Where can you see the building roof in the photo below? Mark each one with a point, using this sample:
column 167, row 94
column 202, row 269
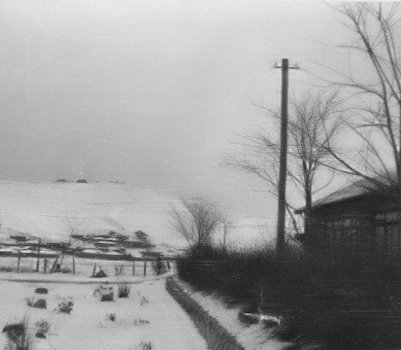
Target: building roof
column 354, row 190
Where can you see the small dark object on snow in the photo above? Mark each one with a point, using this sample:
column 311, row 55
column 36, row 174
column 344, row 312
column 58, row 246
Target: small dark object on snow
column 112, row 317
column 104, row 293
column 82, row 181
column 42, row 328
column 107, row 297
column 65, row 306
column 14, row 330
column 100, row 274
column 41, row 290
column 40, row 304
column 40, row 335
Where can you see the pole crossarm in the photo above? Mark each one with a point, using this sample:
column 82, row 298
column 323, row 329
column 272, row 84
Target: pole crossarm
column 294, row 66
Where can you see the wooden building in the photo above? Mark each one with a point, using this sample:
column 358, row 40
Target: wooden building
column 360, row 216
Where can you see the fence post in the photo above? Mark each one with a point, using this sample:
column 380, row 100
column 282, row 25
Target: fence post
column 73, row 263
column 144, row 268
column 133, row 267
column 38, row 259
column 94, row 270
column 45, row 265
column 54, row 265
column 19, row 261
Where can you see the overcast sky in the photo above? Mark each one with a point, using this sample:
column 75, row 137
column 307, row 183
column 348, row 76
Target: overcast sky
column 150, row 92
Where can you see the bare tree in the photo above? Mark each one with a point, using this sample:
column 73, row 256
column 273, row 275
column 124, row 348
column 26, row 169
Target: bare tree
column 375, row 98
column 197, row 220
column 312, row 128
column 75, row 227
column 226, row 224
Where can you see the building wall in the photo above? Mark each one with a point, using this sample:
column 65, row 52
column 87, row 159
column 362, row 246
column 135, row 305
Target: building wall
column 367, row 223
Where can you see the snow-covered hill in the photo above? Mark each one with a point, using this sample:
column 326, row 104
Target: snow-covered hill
column 55, row 210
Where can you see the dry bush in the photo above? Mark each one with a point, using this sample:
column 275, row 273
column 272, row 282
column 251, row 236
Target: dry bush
column 18, row 336
column 39, row 303
column 104, row 293
column 124, row 290
column 42, row 328
column 144, row 301
column 142, row 346
column 111, row 316
column 65, row 306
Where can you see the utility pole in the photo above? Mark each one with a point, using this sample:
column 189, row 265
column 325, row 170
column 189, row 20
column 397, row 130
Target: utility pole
column 283, row 153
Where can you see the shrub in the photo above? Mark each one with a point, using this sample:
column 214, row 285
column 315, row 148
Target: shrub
column 100, row 274
column 132, row 321
column 159, row 266
column 321, row 297
column 144, row 301
column 18, row 335
column 123, row 290
column 104, row 293
column 142, row 346
column 65, row 306
column 111, row 317
column 42, row 328
column 6, row 269
column 39, row 303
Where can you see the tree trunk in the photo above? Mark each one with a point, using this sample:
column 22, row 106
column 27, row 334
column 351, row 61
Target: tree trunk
column 308, row 224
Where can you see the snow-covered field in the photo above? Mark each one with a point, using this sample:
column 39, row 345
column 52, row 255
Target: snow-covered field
column 53, row 210
column 160, row 322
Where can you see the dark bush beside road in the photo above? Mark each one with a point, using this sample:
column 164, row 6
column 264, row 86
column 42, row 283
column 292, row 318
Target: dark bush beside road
column 341, row 300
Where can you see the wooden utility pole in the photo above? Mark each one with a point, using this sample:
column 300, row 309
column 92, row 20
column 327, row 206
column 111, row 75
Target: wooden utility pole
column 283, row 154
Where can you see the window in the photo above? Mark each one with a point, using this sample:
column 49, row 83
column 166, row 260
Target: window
column 343, row 230
column 386, row 232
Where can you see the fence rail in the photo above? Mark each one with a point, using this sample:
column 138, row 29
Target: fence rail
column 89, row 266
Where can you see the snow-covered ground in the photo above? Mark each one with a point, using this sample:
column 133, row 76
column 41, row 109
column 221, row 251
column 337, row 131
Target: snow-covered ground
column 55, row 210
column 87, row 327
column 252, row 337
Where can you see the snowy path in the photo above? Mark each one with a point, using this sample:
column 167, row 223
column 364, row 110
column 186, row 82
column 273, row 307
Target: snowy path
column 169, row 326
